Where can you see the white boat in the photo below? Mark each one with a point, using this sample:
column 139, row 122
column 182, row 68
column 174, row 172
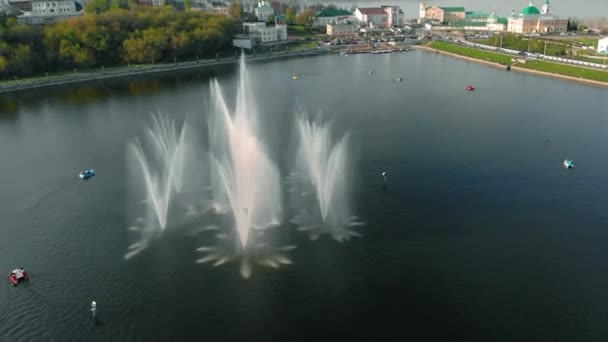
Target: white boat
column 569, row 164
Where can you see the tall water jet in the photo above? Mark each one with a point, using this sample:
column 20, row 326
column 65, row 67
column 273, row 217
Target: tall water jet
column 161, row 166
column 325, row 170
column 247, row 179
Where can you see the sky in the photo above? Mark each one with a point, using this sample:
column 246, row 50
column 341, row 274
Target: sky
column 567, row 8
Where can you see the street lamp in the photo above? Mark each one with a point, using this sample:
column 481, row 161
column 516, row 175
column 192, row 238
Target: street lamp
column 500, row 48
column 75, row 72
column 102, row 69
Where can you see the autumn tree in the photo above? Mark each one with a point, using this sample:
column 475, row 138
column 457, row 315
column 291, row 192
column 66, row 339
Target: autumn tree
column 236, row 11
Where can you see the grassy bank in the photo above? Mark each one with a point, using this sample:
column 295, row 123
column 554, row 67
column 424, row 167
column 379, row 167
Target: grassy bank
column 471, row 52
column 540, row 66
column 566, row 70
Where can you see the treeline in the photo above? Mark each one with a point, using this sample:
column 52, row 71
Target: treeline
column 118, row 36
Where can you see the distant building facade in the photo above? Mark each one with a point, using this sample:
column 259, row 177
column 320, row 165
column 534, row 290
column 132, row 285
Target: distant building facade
column 439, row 14
column 22, row 5
column 380, row 17
column 264, row 11
column 533, row 20
column 46, row 12
column 264, row 34
column 342, row 29
column 331, row 16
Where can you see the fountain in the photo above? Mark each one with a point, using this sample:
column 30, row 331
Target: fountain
column 325, row 170
column 162, row 176
column 246, row 178
column 160, row 168
column 243, row 193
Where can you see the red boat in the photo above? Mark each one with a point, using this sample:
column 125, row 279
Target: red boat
column 18, row 275
column 470, row 88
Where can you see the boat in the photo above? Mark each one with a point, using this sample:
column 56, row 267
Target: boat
column 87, row 174
column 569, row 164
column 18, row 275
column 371, row 72
column 398, row 79
column 295, row 77
column 470, row 88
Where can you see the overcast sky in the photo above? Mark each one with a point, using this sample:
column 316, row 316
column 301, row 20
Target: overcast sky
column 568, row 8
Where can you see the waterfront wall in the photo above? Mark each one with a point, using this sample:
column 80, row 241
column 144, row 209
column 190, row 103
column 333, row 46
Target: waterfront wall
column 127, row 72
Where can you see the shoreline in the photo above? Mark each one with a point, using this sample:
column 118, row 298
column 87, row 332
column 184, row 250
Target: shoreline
column 159, row 69
column 517, row 68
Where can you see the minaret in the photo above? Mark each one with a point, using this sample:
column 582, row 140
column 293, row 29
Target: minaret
column 546, row 7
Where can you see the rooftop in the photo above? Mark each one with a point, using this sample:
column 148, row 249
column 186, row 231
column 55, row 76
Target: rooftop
column 372, row 10
column 331, row 12
column 452, row 9
column 530, row 10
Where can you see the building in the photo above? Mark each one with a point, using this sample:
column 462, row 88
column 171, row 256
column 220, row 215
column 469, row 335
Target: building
column 457, row 18
column 46, row 12
column 264, row 11
column 331, row 16
column 602, row 45
column 244, row 41
column 263, row 34
column 444, row 15
column 342, row 29
column 380, row 17
column 532, row 20
column 22, row 5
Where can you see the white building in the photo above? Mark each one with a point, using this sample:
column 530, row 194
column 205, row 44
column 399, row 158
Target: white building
column 263, row 11
column 380, row 17
column 342, row 29
column 331, row 16
column 533, row 20
column 263, row 34
column 44, row 12
column 602, row 45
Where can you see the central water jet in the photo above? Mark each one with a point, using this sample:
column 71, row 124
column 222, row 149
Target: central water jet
column 247, row 180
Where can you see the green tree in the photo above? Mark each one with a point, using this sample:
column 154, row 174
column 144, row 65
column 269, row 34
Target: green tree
column 4, row 63
column 21, row 60
column 115, row 4
column 187, row 4
column 306, row 17
column 97, row 6
column 290, row 15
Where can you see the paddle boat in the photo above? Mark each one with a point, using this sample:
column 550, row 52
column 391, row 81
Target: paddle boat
column 568, row 164
column 17, row 276
column 87, row 174
column 470, row 88
column 295, row 77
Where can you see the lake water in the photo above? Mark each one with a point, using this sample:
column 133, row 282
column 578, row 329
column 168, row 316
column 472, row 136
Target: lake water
column 481, row 234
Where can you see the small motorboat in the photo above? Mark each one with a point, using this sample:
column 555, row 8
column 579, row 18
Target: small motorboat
column 371, row 72
column 398, row 79
column 87, row 174
column 568, row 164
column 18, row 275
column 470, row 88
column 295, row 77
